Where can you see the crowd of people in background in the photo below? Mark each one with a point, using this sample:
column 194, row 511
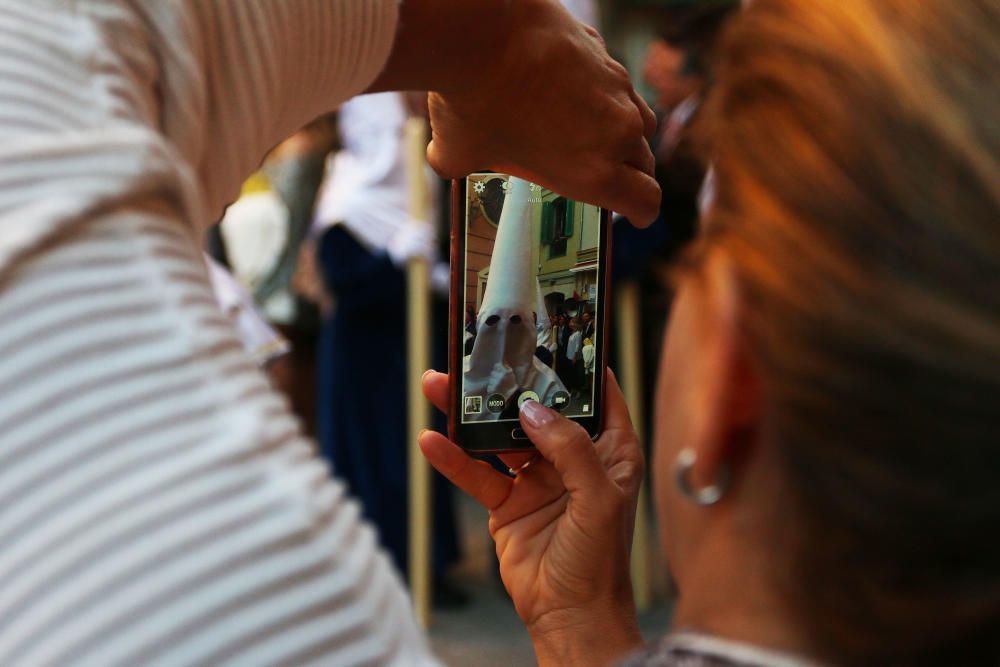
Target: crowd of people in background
column 575, row 342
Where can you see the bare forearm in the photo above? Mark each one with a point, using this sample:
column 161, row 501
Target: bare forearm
column 442, row 45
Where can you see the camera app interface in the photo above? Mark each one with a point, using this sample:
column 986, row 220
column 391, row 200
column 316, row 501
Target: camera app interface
column 531, row 285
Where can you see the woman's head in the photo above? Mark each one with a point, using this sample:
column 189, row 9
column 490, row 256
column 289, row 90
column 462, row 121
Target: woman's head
column 838, row 338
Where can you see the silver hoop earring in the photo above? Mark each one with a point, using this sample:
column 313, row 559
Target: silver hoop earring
column 705, row 496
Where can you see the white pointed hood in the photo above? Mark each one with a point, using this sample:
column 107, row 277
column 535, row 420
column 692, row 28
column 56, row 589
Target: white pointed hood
column 503, row 356
column 512, row 279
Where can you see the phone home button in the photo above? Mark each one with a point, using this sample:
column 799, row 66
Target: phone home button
column 518, row 434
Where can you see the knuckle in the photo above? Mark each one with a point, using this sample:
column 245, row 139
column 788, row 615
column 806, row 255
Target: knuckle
column 494, row 528
column 620, row 74
column 633, row 126
column 606, row 106
column 434, row 157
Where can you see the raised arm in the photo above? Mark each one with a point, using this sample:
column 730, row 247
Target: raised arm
column 518, row 86
column 239, row 77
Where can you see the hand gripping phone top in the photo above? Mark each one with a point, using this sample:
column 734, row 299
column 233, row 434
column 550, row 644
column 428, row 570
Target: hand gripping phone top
column 512, row 319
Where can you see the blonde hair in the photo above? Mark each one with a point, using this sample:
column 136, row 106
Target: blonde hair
column 856, row 146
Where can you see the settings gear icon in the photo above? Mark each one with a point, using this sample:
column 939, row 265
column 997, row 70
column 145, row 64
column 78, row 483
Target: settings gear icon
column 479, row 187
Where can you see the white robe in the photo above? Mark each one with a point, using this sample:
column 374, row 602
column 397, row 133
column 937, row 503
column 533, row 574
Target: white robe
column 158, row 503
column 503, row 363
column 366, row 188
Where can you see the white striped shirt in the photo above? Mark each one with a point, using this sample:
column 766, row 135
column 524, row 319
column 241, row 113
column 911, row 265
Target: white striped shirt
column 158, row 505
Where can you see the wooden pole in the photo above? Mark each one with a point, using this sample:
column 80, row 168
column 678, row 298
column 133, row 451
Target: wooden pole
column 628, row 329
column 418, row 322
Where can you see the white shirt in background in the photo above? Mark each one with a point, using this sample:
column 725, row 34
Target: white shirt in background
column 573, row 344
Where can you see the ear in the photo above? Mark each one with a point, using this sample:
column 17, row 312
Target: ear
column 727, row 418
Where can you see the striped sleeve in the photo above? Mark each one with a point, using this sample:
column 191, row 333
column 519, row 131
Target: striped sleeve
column 158, row 505
column 246, row 75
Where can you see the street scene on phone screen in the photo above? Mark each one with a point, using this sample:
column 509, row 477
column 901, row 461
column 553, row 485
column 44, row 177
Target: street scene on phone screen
column 531, row 286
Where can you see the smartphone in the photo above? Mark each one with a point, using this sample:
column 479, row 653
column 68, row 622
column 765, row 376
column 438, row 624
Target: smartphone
column 529, row 309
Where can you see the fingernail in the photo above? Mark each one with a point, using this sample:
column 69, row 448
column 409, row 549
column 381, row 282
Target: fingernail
column 536, row 414
column 426, row 373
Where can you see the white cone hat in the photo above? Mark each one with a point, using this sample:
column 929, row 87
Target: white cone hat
column 512, row 280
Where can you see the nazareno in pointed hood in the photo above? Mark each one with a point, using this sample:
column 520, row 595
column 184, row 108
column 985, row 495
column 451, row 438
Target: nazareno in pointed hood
column 503, row 356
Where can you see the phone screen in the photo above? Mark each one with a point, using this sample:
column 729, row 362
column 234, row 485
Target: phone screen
column 531, row 300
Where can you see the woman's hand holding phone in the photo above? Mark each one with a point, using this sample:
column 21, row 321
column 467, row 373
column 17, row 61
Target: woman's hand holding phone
column 563, row 525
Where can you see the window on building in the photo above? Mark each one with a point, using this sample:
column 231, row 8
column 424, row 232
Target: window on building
column 557, row 226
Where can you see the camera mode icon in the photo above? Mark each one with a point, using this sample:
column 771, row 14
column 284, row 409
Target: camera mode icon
column 496, row 403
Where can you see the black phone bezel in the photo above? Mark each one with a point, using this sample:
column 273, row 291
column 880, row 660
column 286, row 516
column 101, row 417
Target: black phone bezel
column 487, row 438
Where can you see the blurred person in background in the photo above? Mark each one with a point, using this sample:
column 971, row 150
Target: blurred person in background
column 665, row 69
column 826, row 448
column 573, row 345
column 679, row 67
column 364, row 239
column 159, row 502
column 588, row 324
column 588, row 355
column 563, row 332
column 553, row 346
column 260, row 239
column 470, row 320
column 544, row 355
column 295, row 170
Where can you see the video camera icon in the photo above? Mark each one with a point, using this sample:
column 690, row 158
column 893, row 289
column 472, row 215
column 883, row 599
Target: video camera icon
column 560, row 401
